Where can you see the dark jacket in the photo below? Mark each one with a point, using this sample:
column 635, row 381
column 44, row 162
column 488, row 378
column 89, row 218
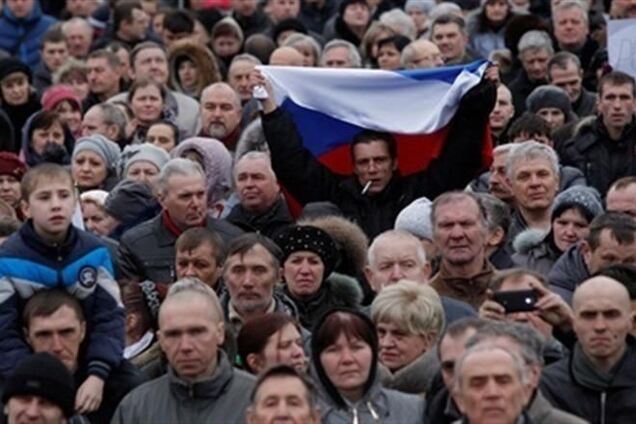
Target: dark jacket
column 146, row 252
column 574, row 386
column 601, row 159
column 458, row 162
column 585, row 105
column 315, row 17
column 521, row 87
column 258, row 23
column 337, row 290
column 19, row 115
column 568, row 272
column 22, row 37
column 269, row 223
column 80, row 265
column 168, row 399
column 42, row 78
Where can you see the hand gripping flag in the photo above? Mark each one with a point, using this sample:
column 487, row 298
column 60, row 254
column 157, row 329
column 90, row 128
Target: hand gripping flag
column 330, row 106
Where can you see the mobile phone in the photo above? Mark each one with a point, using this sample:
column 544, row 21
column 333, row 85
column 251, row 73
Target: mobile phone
column 516, row 300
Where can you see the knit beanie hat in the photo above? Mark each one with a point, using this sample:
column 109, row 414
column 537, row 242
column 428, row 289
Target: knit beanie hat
column 345, row 3
column 10, row 65
column 416, row 219
column 550, row 96
column 43, row 375
column 59, row 93
column 424, row 6
column 10, row 164
column 107, row 150
column 128, row 200
column 586, row 199
column 312, row 239
column 143, row 152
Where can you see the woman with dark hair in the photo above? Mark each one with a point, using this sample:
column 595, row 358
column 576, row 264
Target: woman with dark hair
column 344, row 349
column 486, row 27
column 45, row 138
column 309, row 258
column 390, row 52
column 272, row 339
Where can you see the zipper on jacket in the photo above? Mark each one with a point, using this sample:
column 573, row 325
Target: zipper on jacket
column 603, row 402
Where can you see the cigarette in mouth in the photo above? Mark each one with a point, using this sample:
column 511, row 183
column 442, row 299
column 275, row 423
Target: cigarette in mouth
column 366, row 188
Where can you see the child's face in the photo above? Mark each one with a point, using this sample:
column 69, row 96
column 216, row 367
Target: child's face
column 51, row 207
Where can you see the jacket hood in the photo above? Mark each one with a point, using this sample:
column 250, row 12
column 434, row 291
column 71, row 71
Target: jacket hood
column 208, row 69
column 31, row 158
column 528, row 239
column 252, row 138
column 351, row 241
column 319, row 372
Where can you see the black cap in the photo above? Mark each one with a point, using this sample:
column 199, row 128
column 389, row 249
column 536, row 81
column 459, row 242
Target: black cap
column 11, row 65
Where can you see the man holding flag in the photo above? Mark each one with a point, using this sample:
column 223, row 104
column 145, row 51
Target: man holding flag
column 322, row 117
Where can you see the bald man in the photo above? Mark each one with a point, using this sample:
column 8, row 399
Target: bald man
column 421, row 54
column 286, row 56
column 221, row 114
column 598, row 381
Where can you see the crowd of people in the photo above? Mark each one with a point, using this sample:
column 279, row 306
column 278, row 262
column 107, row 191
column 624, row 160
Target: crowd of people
column 172, row 252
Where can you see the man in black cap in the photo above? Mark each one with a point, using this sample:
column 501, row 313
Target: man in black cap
column 40, row 389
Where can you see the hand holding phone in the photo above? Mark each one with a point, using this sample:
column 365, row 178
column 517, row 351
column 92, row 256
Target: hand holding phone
column 516, row 300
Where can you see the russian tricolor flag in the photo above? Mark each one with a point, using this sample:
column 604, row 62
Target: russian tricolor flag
column 329, row 106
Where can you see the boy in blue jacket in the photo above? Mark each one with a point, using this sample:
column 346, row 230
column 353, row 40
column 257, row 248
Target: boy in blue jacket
column 48, row 252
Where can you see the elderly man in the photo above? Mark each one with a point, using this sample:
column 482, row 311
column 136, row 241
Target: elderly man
column 281, row 394
column 460, row 227
column 147, row 251
column 200, row 253
column 491, row 385
column 421, row 54
column 603, row 148
column 201, row 386
column 564, row 71
column 528, row 345
column 105, row 119
column 612, row 240
column 149, row 59
column 395, row 255
column 621, row 196
column 597, row 382
column 533, row 171
column 79, row 36
column 221, row 112
column 286, row 56
column 238, row 75
column 252, row 270
column 40, row 389
column 53, row 322
column 448, row 32
column 340, row 54
column 572, row 30
column 535, row 50
column 262, row 208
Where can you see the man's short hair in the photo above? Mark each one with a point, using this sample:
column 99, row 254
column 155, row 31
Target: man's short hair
column 143, row 46
column 571, row 4
column 300, row 40
column 42, row 174
column 460, row 327
column 123, row 12
column 112, row 115
column 112, row 60
column 529, row 340
column 392, row 234
column 518, row 362
column 242, row 244
column 369, row 136
column 535, row 40
column 497, row 211
column 530, row 150
column 561, row 60
column 280, row 371
column 245, row 57
column 616, row 78
column 624, row 274
column 53, row 35
column 352, row 52
column 76, row 20
column 454, row 196
column 622, row 183
column 178, row 21
column 622, row 228
column 188, row 286
column 531, row 125
column 177, row 166
column 194, row 237
column 46, row 302
column 449, row 18
column 413, row 307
